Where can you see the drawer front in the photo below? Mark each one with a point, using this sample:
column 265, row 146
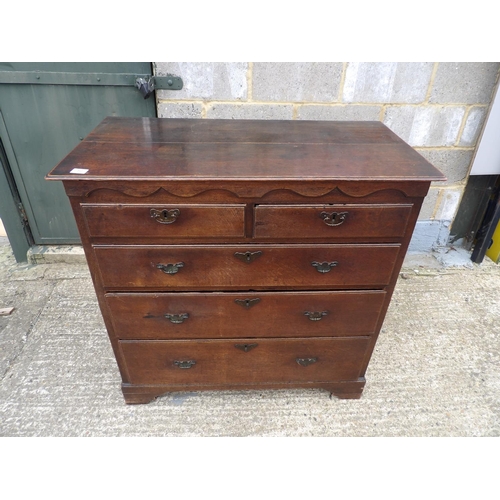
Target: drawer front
column 244, row 361
column 245, row 267
column 164, row 221
column 331, row 221
column 236, row 315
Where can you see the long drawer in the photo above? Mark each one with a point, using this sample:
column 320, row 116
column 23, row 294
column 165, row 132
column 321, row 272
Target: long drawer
column 234, row 315
column 245, row 361
column 329, row 222
column 249, row 267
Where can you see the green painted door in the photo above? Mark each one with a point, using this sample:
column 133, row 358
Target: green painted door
column 45, row 110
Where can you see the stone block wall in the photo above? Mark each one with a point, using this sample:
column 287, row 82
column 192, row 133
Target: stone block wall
column 438, row 108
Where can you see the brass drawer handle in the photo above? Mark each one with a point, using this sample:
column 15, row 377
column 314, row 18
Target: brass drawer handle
column 185, row 365
column 177, row 319
column 247, row 256
column 245, row 347
column 247, row 303
column 170, row 268
column 315, row 316
column 333, row 218
column 306, row 361
column 165, row 216
column 324, row 267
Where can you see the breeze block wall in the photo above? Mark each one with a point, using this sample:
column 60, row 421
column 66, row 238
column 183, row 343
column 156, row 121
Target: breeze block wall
column 438, row 108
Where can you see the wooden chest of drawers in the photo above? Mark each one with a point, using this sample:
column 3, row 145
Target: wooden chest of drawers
column 243, row 254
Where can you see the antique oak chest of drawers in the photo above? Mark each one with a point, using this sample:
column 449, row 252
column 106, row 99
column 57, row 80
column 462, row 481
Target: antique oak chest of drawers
column 240, row 254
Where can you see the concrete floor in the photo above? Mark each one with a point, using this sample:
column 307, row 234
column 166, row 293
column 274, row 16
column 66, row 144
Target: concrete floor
column 435, row 370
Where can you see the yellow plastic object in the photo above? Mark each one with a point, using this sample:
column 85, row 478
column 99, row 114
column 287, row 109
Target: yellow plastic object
column 494, row 251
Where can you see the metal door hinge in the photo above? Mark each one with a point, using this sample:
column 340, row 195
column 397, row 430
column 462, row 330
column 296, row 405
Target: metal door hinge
column 93, row 79
column 148, row 84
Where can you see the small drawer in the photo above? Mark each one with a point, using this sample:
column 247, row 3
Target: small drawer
column 164, row 221
column 244, row 361
column 233, row 315
column 216, row 267
column 330, row 222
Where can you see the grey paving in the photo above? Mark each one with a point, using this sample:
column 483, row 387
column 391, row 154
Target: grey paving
column 435, row 370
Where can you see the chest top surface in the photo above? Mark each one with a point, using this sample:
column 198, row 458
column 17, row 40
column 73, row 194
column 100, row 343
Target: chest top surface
column 159, row 149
